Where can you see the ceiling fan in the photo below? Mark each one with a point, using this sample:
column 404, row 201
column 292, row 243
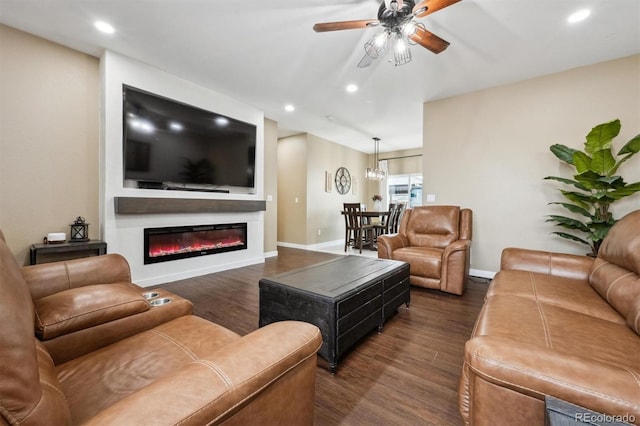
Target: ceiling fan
column 399, row 27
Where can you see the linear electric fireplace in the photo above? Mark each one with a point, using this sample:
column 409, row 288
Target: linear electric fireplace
column 179, row 242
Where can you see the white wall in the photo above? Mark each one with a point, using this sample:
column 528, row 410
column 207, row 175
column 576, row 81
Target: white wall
column 124, row 233
column 489, row 151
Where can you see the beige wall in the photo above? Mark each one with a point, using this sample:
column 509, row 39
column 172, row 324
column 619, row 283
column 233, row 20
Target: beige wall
column 489, row 151
column 271, row 185
column 292, row 189
column 302, row 162
column 405, row 162
column 48, row 139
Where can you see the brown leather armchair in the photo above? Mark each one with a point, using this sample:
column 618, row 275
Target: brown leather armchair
column 436, row 242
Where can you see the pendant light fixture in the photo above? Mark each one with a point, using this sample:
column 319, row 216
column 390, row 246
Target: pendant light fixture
column 375, row 173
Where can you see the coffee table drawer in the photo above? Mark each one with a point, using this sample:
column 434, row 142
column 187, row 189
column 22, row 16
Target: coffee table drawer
column 350, row 303
column 348, row 339
column 351, row 319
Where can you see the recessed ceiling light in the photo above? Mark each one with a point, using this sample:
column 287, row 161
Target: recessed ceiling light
column 175, row 126
column 104, row 27
column 578, row 16
column 289, row 108
column 352, row 88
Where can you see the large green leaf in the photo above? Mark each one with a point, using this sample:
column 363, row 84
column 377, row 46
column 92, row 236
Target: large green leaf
column 578, row 198
column 625, row 191
column 600, row 230
column 568, row 223
column 581, row 161
column 572, row 237
column 563, row 152
column 600, row 137
column 602, row 162
column 612, row 181
column 575, row 209
column 631, row 147
column 591, row 181
column 628, row 150
column 567, row 182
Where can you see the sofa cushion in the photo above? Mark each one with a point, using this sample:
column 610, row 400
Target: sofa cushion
column 85, row 307
column 531, row 322
column 573, row 294
column 435, row 226
column 423, row 261
column 121, row 369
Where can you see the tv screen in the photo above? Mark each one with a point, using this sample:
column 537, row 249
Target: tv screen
column 172, row 145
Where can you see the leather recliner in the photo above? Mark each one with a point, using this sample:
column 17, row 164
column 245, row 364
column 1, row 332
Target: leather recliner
column 436, row 242
column 80, row 344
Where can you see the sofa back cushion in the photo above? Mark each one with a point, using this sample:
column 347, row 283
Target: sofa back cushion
column 615, row 274
column 29, row 390
column 432, row 226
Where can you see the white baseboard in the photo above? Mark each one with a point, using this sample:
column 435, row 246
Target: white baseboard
column 271, row 254
column 481, row 273
column 318, row 246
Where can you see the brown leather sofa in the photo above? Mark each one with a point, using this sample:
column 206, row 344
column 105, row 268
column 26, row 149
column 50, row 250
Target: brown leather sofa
column 80, row 344
column 436, row 242
column 560, row 325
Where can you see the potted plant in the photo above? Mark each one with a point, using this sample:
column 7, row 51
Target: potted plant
column 595, row 185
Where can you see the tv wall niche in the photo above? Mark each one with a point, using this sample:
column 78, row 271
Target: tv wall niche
column 170, row 145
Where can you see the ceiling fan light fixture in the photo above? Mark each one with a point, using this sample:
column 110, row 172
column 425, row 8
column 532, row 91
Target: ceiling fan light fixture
column 400, row 45
column 409, row 28
column 376, row 44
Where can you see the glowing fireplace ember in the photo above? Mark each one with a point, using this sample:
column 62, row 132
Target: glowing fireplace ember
column 173, row 243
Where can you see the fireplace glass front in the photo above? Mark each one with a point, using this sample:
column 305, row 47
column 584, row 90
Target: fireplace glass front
column 179, row 242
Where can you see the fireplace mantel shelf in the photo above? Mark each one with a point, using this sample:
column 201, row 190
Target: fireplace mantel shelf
column 151, row 205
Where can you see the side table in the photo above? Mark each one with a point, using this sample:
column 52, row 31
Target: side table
column 75, row 250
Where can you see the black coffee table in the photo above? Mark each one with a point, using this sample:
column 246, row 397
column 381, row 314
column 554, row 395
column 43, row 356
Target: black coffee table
column 345, row 297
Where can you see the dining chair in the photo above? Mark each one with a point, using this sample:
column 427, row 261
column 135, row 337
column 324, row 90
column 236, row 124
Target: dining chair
column 384, row 227
column 393, row 226
column 357, row 231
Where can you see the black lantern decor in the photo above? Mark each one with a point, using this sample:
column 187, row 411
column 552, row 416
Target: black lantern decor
column 79, row 230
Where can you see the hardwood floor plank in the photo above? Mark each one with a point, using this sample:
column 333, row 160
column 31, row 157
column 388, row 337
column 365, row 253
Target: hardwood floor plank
column 406, row 375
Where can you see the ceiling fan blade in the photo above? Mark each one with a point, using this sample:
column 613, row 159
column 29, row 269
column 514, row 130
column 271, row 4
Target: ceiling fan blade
column 429, row 6
column 429, row 40
column 344, row 25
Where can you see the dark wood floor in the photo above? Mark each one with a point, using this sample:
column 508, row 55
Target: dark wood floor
column 407, row 375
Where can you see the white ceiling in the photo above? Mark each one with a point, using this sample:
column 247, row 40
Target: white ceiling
column 266, row 54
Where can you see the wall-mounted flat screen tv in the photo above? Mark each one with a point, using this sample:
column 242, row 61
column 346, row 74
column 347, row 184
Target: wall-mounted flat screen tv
column 171, row 145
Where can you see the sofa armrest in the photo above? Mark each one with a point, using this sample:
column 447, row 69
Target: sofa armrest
column 266, row 377
column 388, row 243
column 79, row 308
column 536, row 371
column 458, row 245
column 543, row 262
column 50, row 278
